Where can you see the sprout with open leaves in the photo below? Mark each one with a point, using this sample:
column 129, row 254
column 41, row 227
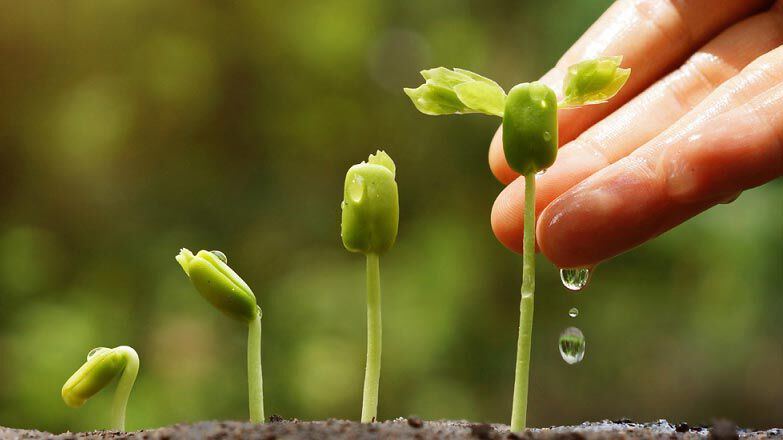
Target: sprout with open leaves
column 530, row 141
column 224, row 289
column 370, row 215
column 102, row 366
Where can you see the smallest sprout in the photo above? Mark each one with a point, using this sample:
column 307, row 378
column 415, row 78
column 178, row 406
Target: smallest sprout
column 102, row 366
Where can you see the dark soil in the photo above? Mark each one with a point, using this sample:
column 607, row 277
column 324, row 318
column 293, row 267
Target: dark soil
column 413, row 428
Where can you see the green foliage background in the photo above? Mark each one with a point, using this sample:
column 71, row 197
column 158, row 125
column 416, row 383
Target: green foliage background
column 129, row 129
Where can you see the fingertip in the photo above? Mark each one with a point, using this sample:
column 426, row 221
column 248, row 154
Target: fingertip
column 497, row 160
column 579, row 228
column 507, row 216
column 553, row 236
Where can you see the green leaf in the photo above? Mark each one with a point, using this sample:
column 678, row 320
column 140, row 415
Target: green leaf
column 593, row 81
column 457, row 91
column 444, row 77
column 434, row 100
column 482, row 97
column 475, row 76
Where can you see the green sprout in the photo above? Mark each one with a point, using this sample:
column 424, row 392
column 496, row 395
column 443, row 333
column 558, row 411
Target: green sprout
column 102, row 366
column 530, row 142
column 224, row 289
column 370, row 215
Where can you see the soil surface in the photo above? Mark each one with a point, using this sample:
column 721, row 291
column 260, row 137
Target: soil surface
column 413, row 428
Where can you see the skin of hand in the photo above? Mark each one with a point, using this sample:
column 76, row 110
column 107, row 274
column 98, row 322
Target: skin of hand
column 699, row 121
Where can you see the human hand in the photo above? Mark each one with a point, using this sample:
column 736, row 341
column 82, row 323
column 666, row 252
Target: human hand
column 699, row 121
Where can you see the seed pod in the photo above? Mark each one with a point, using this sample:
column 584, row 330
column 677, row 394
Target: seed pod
column 218, row 284
column 530, row 128
column 102, row 366
column 370, row 206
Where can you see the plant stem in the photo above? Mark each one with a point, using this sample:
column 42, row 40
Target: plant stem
column 372, row 373
column 522, row 375
column 124, row 387
column 255, row 382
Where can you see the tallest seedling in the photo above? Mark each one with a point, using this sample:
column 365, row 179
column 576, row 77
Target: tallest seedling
column 529, row 113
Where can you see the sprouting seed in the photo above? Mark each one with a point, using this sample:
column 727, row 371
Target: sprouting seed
column 102, row 366
column 229, row 293
column 370, row 216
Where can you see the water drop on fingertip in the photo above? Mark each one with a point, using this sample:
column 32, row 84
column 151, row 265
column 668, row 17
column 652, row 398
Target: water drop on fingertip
column 575, row 279
column 221, row 256
column 573, row 312
column 572, row 345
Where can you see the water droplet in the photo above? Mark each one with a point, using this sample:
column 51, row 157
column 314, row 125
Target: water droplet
column 573, row 312
column 221, row 256
column 575, row 279
column 95, row 351
column 541, row 173
column 356, row 189
column 547, row 136
column 572, row 345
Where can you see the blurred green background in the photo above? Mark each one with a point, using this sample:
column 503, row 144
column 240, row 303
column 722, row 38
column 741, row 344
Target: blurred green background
column 129, row 129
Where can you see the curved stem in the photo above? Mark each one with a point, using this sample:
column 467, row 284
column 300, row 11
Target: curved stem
column 372, row 373
column 124, row 387
column 255, row 382
column 522, row 375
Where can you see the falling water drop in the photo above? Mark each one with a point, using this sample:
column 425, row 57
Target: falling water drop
column 575, row 279
column 572, row 345
column 221, row 256
column 95, row 351
column 573, row 312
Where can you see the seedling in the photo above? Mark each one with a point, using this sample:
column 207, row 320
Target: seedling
column 224, row 289
column 102, row 366
column 369, row 225
column 529, row 114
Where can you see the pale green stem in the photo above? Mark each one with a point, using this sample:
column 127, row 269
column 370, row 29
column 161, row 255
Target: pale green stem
column 124, row 387
column 372, row 373
column 522, row 375
column 255, row 382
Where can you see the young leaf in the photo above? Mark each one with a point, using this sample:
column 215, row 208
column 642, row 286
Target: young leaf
column 457, row 91
column 435, row 100
column 593, row 81
column 482, row 97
